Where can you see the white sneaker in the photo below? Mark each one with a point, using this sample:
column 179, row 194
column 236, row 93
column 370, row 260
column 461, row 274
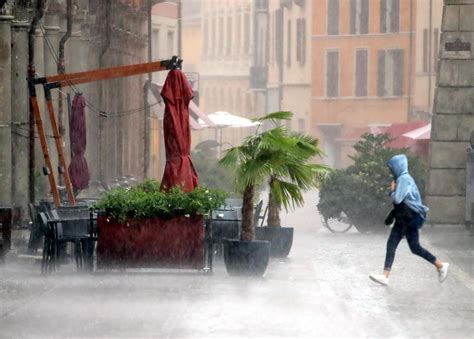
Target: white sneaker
column 443, row 272
column 379, row 278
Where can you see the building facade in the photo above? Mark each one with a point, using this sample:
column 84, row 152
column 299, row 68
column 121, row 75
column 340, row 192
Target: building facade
column 362, row 60
column 289, row 61
column 428, row 32
column 227, row 53
column 103, row 34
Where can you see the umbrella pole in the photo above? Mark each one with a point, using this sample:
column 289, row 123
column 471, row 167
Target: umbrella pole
column 57, row 138
column 44, row 145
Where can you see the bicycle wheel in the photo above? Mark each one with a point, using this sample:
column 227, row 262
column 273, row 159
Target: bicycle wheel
column 339, row 224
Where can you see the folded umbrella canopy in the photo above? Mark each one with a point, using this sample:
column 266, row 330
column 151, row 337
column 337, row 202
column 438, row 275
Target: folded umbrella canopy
column 78, row 169
column 179, row 169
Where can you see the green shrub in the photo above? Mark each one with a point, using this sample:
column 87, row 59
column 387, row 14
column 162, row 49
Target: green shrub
column 211, row 174
column 145, row 200
column 361, row 190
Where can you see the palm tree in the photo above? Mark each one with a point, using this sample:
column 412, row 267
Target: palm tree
column 280, row 157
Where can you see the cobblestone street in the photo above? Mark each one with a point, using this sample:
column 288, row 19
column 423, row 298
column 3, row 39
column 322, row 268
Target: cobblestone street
column 321, row 290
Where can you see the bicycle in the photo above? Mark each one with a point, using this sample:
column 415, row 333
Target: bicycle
column 339, row 224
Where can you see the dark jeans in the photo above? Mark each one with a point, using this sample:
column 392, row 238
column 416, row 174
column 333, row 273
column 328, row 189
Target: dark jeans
column 410, row 231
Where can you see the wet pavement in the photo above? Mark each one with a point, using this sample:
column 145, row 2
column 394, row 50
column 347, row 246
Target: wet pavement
column 321, row 290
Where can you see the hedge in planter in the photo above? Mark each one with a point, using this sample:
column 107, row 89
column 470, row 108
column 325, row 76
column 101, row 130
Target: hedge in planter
column 360, row 191
column 144, row 227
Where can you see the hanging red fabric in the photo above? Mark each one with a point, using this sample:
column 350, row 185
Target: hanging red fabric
column 78, row 169
column 179, row 169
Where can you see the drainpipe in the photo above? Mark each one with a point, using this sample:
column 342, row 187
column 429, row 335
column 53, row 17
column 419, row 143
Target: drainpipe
column 39, row 12
column 61, row 65
column 410, row 63
column 147, row 141
column 430, row 44
column 102, row 144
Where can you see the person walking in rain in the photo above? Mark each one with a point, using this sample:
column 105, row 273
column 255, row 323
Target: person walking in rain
column 409, row 214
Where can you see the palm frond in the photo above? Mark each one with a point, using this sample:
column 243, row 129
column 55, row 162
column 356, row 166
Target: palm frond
column 282, row 115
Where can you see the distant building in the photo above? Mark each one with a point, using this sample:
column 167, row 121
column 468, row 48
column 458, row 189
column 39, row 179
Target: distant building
column 428, row 32
column 289, row 61
column 362, row 60
column 227, row 29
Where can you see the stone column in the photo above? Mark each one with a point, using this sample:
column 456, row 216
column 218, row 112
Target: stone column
column 453, row 115
column 5, row 110
column 50, row 50
column 20, row 116
column 41, row 182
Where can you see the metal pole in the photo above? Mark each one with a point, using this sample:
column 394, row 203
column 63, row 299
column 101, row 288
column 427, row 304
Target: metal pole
column 145, row 98
column 180, row 26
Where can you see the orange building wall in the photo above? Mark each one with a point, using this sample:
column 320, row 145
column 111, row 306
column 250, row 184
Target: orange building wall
column 347, row 109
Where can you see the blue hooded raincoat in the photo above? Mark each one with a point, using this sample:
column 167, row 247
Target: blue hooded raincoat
column 406, row 190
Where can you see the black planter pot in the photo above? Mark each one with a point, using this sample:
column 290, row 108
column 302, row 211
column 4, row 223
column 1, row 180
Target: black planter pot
column 246, row 257
column 280, row 238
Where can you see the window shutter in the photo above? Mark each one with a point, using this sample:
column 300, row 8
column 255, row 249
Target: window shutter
column 353, row 16
column 303, row 41
column 435, row 49
column 332, row 73
column 279, row 36
column 361, row 73
column 383, row 16
column 425, row 50
column 333, row 17
column 398, row 72
column 364, row 19
column 395, row 17
column 381, row 74
column 288, row 50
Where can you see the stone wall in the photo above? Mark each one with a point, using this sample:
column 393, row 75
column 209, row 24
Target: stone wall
column 453, row 116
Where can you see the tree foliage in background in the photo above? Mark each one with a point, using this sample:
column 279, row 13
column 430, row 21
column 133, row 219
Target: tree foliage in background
column 361, row 190
column 211, row 174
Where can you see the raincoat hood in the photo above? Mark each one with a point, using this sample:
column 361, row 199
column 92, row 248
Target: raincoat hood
column 406, row 189
column 398, row 164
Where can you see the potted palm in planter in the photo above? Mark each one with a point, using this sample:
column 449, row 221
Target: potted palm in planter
column 271, row 155
column 146, row 227
column 290, row 173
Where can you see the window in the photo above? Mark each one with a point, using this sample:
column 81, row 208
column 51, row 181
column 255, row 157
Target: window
column 288, row 47
column 213, row 35
column 206, row 36
column 332, row 73
column 390, row 72
column 246, row 33
column 425, row 50
column 333, row 17
column 279, row 36
column 171, row 42
column 229, row 36
column 237, row 34
column 389, row 16
column 361, row 73
column 359, row 16
column 301, row 40
column 435, row 48
column 301, row 126
column 220, row 48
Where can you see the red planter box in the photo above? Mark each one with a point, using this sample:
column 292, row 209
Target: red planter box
column 156, row 243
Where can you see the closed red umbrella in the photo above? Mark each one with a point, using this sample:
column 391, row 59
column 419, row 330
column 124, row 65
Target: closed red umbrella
column 179, row 169
column 78, row 169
